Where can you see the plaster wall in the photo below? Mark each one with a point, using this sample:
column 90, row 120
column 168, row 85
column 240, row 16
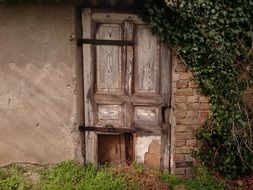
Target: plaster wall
column 40, row 84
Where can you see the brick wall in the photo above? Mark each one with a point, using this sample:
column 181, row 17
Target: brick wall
column 190, row 111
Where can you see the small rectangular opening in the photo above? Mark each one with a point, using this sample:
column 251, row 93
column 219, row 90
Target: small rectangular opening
column 113, row 149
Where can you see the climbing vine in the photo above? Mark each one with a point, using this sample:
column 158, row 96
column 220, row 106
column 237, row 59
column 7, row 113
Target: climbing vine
column 214, row 38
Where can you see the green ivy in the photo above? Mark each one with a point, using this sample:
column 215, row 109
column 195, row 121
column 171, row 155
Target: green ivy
column 214, row 38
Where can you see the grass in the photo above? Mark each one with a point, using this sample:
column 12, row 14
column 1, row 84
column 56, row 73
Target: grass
column 13, row 179
column 202, row 181
column 69, row 175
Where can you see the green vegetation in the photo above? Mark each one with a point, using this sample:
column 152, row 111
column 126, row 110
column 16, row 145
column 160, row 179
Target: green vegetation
column 139, row 168
column 203, row 181
column 69, row 175
column 215, row 39
column 13, row 179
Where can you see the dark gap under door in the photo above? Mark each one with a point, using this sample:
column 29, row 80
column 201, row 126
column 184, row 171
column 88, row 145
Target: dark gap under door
column 113, row 149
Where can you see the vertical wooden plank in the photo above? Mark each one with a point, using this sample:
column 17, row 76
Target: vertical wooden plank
column 122, row 148
column 166, row 89
column 147, row 57
column 128, row 55
column 90, row 137
column 166, row 74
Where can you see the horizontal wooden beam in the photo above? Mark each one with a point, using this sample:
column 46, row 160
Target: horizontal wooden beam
column 105, row 42
column 107, row 129
column 135, row 129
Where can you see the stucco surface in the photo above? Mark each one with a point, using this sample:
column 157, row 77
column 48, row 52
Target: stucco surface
column 40, row 94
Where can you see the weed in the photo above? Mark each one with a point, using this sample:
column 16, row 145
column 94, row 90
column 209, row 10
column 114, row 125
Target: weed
column 139, row 168
column 69, row 175
column 13, row 179
column 203, row 181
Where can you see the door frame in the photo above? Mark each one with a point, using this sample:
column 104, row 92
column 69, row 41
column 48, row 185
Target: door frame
column 91, row 137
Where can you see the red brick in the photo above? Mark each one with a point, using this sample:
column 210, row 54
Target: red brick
column 193, row 106
column 179, row 143
column 185, row 76
column 184, row 121
column 183, row 136
column 179, row 157
column 152, row 157
column 181, row 84
column 200, row 121
column 191, row 114
column 192, row 99
column 180, row 128
column 175, row 77
column 204, row 106
column 180, row 113
column 192, row 84
column 204, row 114
column 181, row 106
column 203, row 99
column 193, row 127
column 180, row 99
column 183, row 150
column 188, row 157
column 184, row 92
column 192, row 142
column 181, row 68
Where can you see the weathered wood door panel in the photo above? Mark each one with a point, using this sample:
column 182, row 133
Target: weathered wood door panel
column 108, row 60
column 125, row 86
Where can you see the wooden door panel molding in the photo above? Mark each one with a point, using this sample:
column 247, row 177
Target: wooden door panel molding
column 147, row 61
column 134, row 99
column 109, row 99
column 112, row 112
column 109, row 70
column 106, row 31
column 151, row 99
column 111, row 115
column 146, row 115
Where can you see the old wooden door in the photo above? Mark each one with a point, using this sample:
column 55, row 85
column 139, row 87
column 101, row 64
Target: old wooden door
column 126, row 78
